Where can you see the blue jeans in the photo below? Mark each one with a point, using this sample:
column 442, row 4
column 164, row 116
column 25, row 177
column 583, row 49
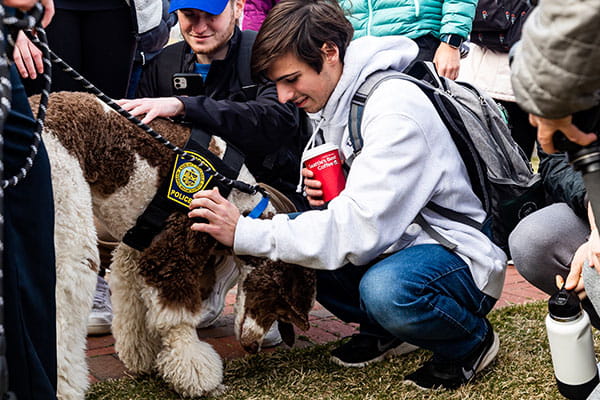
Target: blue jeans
column 424, row 295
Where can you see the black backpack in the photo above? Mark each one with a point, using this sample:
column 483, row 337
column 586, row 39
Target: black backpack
column 500, row 173
column 498, row 23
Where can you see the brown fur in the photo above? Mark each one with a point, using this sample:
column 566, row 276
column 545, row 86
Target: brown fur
column 107, row 159
column 277, row 291
column 175, row 264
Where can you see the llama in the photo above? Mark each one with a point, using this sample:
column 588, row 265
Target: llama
column 106, row 167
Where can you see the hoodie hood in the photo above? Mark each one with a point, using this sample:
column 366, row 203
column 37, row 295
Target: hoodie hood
column 363, row 57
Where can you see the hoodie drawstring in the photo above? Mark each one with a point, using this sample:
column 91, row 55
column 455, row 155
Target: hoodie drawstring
column 309, row 145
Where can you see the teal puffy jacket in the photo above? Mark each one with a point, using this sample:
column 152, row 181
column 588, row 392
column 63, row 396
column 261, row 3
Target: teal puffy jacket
column 412, row 18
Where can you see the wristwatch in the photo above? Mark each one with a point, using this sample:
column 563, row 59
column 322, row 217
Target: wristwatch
column 452, row 40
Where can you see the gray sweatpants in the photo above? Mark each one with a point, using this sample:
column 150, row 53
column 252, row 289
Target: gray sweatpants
column 542, row 246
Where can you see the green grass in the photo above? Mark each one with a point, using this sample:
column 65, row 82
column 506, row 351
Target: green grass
column 522, row 370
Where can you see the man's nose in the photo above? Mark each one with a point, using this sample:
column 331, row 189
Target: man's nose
column 200, row 23
column 284, row 92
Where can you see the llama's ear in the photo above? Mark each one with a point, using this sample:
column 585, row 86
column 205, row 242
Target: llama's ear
column 286, row 330
column 299, row 319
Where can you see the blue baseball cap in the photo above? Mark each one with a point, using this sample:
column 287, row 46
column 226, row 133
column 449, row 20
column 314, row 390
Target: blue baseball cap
column 214, row 7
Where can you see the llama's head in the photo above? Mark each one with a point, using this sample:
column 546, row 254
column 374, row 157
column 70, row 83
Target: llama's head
column 270, row 291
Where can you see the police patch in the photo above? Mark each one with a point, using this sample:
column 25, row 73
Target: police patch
column 187, row 179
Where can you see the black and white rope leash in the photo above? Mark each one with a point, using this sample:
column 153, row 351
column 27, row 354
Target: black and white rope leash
column 239, row 185
column 14, row 24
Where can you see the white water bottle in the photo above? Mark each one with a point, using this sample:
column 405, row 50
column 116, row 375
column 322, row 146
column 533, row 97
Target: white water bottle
column 571, row 346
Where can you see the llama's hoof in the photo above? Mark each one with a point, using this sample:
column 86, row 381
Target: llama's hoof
column 193, row 370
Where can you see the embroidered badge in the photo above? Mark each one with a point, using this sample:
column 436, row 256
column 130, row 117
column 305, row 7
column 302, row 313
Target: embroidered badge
column 187, row 179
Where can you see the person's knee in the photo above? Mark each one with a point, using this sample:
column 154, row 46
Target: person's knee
column 531, row 239
column 542, row 245
column 382, row 293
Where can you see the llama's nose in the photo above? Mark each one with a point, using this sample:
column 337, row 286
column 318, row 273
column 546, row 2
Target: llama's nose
column 252, row 348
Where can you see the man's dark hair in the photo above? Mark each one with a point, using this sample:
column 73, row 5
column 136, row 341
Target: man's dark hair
column 300, row 27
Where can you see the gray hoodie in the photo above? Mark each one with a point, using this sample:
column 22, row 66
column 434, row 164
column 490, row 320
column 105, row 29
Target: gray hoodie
column 407, row 160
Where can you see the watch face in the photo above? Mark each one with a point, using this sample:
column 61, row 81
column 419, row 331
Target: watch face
column 453, row 40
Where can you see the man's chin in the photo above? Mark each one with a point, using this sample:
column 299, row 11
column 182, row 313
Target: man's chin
column 206, row 49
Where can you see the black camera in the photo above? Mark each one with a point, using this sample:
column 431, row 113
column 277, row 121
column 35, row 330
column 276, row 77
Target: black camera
column 187, row 84
column 585, row 159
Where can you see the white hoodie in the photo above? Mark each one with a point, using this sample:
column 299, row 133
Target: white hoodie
column 408, row 158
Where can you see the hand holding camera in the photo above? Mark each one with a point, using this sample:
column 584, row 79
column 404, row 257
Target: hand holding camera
column 187, row 84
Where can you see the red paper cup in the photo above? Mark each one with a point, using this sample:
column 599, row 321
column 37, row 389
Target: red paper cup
column 324, row 161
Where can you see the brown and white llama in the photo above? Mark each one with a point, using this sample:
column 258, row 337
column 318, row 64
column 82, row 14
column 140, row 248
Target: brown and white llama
column 104, row 166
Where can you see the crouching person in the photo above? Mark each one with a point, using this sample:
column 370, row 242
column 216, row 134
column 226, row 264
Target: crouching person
column 376, row 266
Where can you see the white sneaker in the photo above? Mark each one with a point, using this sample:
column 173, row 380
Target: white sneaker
column 272, row 338
column 100, row 319
column 226, row 276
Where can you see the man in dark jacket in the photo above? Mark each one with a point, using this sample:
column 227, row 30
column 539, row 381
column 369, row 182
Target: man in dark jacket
column 225, row 102
column 242, row 113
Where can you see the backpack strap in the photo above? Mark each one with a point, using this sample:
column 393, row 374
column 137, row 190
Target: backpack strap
column 357, row 107
column 435, row 235
column 243, row 64
column 453, row 215
column 420, row 73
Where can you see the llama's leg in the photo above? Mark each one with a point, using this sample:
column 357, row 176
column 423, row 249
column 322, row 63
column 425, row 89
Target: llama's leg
column 77, row 261
column 193, row 368
column 178, row 272
column 135, row 342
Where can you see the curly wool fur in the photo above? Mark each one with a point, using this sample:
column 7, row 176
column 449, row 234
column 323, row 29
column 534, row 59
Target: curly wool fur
column 77, row 263
column 101, row 162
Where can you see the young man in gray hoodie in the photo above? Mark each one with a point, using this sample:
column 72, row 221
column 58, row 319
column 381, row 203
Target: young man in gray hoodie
column 375, row 265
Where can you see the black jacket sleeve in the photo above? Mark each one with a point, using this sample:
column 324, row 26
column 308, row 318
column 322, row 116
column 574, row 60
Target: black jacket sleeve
column 562, row 183
column 258, row 126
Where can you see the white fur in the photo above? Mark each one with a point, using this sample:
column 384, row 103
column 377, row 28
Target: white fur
column 192, row 367
column 77, row 260
column 240, row 301
column 135, row 342
column 120, row 210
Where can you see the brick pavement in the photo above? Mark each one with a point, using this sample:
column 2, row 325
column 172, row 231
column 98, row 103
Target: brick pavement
column 104, row 363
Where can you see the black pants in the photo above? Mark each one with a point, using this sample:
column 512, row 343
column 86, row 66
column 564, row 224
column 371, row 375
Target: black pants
column 99, row 45
column 520, row 129
column 28, row 260
column 428, row 45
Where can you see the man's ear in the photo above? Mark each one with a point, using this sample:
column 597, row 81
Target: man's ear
column 331, row 53
column 238, row 8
